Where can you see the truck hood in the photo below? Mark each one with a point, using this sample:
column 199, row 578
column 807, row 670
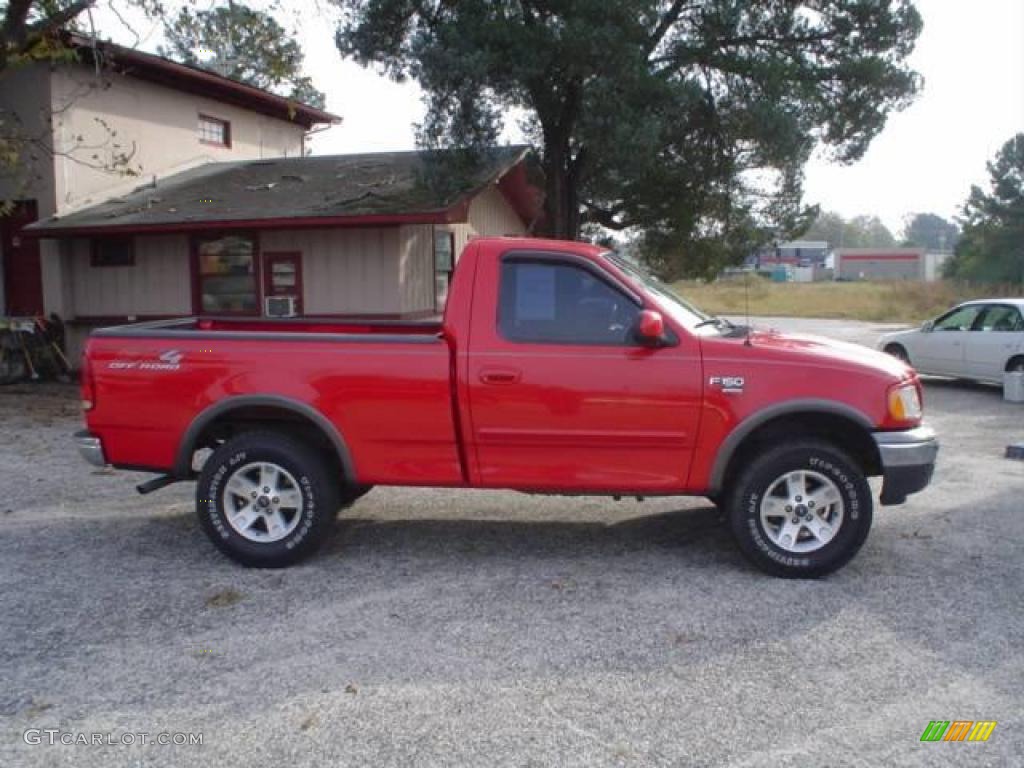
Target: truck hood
column 815, row 350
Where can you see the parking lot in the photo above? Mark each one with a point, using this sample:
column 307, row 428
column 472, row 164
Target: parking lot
column 485, row 629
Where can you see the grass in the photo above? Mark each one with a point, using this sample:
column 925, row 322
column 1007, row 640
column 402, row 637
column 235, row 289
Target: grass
column 895, row 302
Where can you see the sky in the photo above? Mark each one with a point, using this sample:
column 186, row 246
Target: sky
column 971, row 55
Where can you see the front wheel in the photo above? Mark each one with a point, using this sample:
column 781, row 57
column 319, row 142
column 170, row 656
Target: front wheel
column 801, row 510
column 266, row 500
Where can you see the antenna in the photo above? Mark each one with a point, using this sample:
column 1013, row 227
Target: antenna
column 746, row 299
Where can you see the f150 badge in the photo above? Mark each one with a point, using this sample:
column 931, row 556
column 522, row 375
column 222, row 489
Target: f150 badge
column 168, row 361
column 730, row 384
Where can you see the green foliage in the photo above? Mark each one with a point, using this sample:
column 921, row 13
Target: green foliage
column 927, row 230
column 685, row 123
column 991, row 249
column 858, row 232
column 244, row 44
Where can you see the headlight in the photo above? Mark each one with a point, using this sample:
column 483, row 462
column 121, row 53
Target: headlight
column 905, row 403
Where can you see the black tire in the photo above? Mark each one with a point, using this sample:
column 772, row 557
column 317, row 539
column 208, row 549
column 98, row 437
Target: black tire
column 1015, row 365
column 763, row 475
column 898, row 351
column 302, row 473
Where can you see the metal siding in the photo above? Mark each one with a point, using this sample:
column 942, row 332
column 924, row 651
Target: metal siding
column 345, row 271
column 158, row 283
column 417, row 267
column 491, row 215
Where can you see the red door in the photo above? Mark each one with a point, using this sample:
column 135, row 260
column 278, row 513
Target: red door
column 282, row 276
column 561, row 398
column 23, row 277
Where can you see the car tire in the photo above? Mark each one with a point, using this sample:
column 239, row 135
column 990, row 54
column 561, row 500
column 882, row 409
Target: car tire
column 1016, row 365
column 783, row 531
column 899, row 352
column 267, row 500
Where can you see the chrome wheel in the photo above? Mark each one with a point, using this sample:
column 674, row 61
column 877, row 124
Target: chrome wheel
column 262, row 502
column 802, row 511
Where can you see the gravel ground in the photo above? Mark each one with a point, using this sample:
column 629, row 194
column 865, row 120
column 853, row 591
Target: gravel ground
column 485, row 629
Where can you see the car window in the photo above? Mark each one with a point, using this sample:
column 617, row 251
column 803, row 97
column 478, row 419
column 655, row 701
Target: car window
column 960, row 319
column 999, row 317
column 558, row 303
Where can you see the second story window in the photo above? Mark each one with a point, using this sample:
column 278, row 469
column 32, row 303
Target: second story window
column 214, row 131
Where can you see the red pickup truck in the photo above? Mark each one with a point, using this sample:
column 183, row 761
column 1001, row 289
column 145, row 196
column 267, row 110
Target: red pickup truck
column 558, row 368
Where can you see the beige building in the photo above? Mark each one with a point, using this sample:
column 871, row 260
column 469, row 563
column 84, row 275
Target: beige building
column 227, row 215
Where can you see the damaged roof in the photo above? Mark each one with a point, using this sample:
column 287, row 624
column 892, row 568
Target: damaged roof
column 383, row 187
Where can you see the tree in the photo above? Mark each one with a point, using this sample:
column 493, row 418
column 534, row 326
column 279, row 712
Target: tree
column 687, row 121
column 932, row 232
column 858, row 232
column 991, row 248
column 244, row 44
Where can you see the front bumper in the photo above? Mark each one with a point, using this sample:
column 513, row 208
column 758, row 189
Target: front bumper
column 91, row 448
column 908, row 462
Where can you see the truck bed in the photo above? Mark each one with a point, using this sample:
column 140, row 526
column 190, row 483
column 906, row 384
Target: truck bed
column 384, row 386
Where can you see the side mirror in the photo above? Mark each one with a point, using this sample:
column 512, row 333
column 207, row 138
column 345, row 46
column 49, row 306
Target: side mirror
column 650, row 328
column 928, row 326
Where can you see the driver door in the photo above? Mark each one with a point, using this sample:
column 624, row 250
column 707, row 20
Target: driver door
column 942, row 350
column 561, row 396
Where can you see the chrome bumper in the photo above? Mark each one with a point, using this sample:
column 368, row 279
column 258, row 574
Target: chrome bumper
column 91, row 448
column 908, row 462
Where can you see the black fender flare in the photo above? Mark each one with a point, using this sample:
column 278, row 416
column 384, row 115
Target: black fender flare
column 746, row 427
column 186, row 447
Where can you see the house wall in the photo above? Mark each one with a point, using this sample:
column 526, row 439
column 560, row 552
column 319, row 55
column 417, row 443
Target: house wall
column 160, row 122
column 867, row 264
column 157, row 284
column 345, row 271
column 25, row 94
column 489, row 215
column 416, row 268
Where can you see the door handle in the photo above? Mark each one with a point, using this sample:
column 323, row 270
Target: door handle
column 499, row 376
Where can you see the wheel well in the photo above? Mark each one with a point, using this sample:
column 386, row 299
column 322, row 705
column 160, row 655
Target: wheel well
column 843, row 432
column 895, row 345
column 1013, row 361
column 249, row 418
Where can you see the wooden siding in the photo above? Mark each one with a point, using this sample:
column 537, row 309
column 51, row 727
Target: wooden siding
column 345, row 271
column 158, row 284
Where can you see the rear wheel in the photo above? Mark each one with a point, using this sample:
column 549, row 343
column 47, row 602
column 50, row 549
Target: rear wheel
column 898, row 351
column 1016, row 365
column 800, row 511
column 267, row 500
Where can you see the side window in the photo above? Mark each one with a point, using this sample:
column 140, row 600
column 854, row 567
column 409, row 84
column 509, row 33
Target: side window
column 960, row 319
column 558, row 303
column 1000, row 317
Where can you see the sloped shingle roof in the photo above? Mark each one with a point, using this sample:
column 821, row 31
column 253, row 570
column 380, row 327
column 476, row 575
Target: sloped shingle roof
column 377, row 186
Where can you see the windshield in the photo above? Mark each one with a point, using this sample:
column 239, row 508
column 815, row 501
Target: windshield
column 681, row 310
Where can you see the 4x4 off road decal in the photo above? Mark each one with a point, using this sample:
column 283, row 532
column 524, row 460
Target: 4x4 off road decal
column 958, row 730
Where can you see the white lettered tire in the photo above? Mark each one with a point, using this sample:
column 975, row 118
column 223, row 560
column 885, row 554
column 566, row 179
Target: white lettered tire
column 801, row 510
column 267, row 500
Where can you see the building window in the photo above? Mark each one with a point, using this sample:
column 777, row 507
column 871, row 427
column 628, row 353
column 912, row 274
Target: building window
column 227, row 275
column 549, row 302
column 214, row 131
column 113, row 252
column 444, row 261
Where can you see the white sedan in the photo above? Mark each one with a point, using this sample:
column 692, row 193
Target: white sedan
column 977, row 340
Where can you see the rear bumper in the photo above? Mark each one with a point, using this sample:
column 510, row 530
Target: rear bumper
column 91, row 448
column 908, row 462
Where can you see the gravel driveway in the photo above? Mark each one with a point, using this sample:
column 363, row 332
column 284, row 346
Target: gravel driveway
column 487, row 629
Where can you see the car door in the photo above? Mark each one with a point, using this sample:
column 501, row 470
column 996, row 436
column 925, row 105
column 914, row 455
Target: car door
column 941, row 350
column 994, row 338
column 561, row 397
